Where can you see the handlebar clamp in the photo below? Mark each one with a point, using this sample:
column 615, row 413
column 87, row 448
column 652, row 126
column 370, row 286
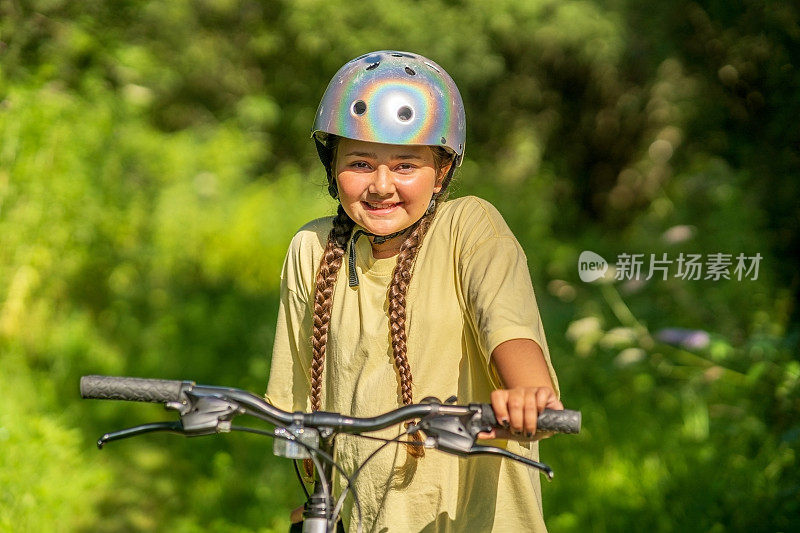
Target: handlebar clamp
column 450, row 433
column 207, row 415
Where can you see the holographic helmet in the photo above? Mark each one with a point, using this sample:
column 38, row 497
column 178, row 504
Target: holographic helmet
column 392, row 97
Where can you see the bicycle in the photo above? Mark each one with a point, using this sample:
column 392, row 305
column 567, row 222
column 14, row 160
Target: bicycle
column 207, row 410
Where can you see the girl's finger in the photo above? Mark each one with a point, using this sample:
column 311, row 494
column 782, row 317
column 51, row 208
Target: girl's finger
column 499, row 398
column 516, row 410
column 544, row 398
column 532, row 409
column 547, row 399
column 550, row 401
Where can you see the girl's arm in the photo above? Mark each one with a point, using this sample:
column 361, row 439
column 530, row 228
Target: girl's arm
column 528, row 390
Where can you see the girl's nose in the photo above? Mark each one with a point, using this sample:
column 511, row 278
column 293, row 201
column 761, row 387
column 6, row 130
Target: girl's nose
column 382, row 183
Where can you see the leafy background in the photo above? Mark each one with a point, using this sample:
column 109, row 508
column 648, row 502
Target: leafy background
column 155, row 162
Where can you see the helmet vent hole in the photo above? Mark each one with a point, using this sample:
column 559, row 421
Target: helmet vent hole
column 432, row 66
column 359, row 107
column 443, row 140
column 374, row 65
column 410, row 71
column 405, row 113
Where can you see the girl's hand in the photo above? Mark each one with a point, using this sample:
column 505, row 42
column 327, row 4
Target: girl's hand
column 518, row 408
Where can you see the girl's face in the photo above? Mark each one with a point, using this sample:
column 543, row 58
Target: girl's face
column 385, row 188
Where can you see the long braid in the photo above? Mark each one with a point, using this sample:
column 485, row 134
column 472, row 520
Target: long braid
column 323, row 299
column 323, row 302
column 401, row 278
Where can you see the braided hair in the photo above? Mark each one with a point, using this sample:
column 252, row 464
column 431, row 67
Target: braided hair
column 401, row 278
column 323, row 298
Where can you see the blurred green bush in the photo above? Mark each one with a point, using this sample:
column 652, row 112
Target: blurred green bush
column 155, row 162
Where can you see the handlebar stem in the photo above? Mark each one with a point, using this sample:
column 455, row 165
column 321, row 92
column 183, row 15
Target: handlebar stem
column 319, row 507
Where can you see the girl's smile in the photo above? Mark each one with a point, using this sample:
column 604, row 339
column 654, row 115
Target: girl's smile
column 380, row 208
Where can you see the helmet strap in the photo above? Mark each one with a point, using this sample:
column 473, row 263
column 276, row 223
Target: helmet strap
column 377, row 239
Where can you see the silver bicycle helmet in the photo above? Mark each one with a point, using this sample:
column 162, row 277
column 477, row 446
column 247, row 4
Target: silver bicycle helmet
column 392, row 97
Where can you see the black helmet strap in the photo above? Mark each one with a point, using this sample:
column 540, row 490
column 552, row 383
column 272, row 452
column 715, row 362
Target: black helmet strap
column 378, row 239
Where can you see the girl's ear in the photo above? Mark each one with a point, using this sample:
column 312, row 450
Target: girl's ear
column 442, row 175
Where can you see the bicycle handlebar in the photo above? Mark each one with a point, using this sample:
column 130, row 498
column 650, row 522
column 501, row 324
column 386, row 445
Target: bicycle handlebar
column 205, row 410
column 175, row 392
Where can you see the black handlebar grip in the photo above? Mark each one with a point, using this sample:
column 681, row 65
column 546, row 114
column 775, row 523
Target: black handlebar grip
column 566, row 421
column 133, row 389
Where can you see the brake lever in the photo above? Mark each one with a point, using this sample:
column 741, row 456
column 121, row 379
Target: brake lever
column 201, row 415
column 478, row 449
column 172, row 427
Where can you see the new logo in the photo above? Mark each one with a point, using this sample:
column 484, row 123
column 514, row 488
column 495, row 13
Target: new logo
column 591, row 266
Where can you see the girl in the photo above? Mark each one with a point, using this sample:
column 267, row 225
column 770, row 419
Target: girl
column 404, row 295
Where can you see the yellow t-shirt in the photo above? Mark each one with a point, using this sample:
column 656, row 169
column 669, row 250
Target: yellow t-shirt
column 470, row 291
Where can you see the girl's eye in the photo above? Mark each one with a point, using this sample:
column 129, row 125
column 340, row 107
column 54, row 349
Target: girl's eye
column 359, row 164
column 405, row 167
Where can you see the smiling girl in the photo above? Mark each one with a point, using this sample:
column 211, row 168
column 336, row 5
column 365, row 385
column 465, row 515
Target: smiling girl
column 404, row 295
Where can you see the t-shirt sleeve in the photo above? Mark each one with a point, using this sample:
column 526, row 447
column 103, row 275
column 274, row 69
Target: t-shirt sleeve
column 289, row 383
column 497, row 288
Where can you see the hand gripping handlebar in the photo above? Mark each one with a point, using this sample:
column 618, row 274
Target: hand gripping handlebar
column 565, row 421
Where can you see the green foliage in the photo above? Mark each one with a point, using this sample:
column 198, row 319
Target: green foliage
column 41, row 451
column 124, row 247
column 155, row 162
